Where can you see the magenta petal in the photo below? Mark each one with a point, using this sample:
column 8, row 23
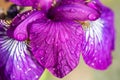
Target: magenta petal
column 20, row 24
column 71, row 1
column 45, row 4
column 79, row 11
column 24, row 2
column 99, row 41
column 16, row 62
column 56, row 45
column 20, row 64
column 108, row 15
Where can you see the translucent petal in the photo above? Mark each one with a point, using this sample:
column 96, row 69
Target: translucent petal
column 16, row 61
column 56, row 45
column 99, row 41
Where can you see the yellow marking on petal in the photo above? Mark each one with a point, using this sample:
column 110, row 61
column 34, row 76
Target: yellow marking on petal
column 8, row 21
column 85, row 23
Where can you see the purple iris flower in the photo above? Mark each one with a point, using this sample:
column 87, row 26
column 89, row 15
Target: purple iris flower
column 53, row 35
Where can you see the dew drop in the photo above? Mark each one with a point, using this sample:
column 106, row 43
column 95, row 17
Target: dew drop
column 92, row 64
column 72, row 10
column 42, row 58
column 20, row 36
column 23, row 17
column 92, row 17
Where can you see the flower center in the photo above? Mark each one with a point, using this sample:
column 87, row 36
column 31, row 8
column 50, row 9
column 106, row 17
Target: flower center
column 85, row 24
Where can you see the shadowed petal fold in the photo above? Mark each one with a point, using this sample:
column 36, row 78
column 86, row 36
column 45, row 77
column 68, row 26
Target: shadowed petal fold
column 16, row 61
column 71, row 1
column 79, row 11
column 99, row 41
column 56, row 45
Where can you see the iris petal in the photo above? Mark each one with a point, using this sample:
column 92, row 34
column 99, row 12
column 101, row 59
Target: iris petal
column 56, row 45
column 16, row 61
column 45, row 4
column 20, row 24
column 108, row 15
column 79, row 11
column 72, row 1
column 99, row 41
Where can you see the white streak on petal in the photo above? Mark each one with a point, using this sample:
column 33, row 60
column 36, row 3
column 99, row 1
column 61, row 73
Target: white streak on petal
column 20, row 65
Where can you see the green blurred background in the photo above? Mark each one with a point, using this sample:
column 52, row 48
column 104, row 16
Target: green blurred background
column 83, row 72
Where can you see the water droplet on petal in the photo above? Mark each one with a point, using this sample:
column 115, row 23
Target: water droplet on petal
column 92, row 17
column 23, row 17
column 20, row 36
